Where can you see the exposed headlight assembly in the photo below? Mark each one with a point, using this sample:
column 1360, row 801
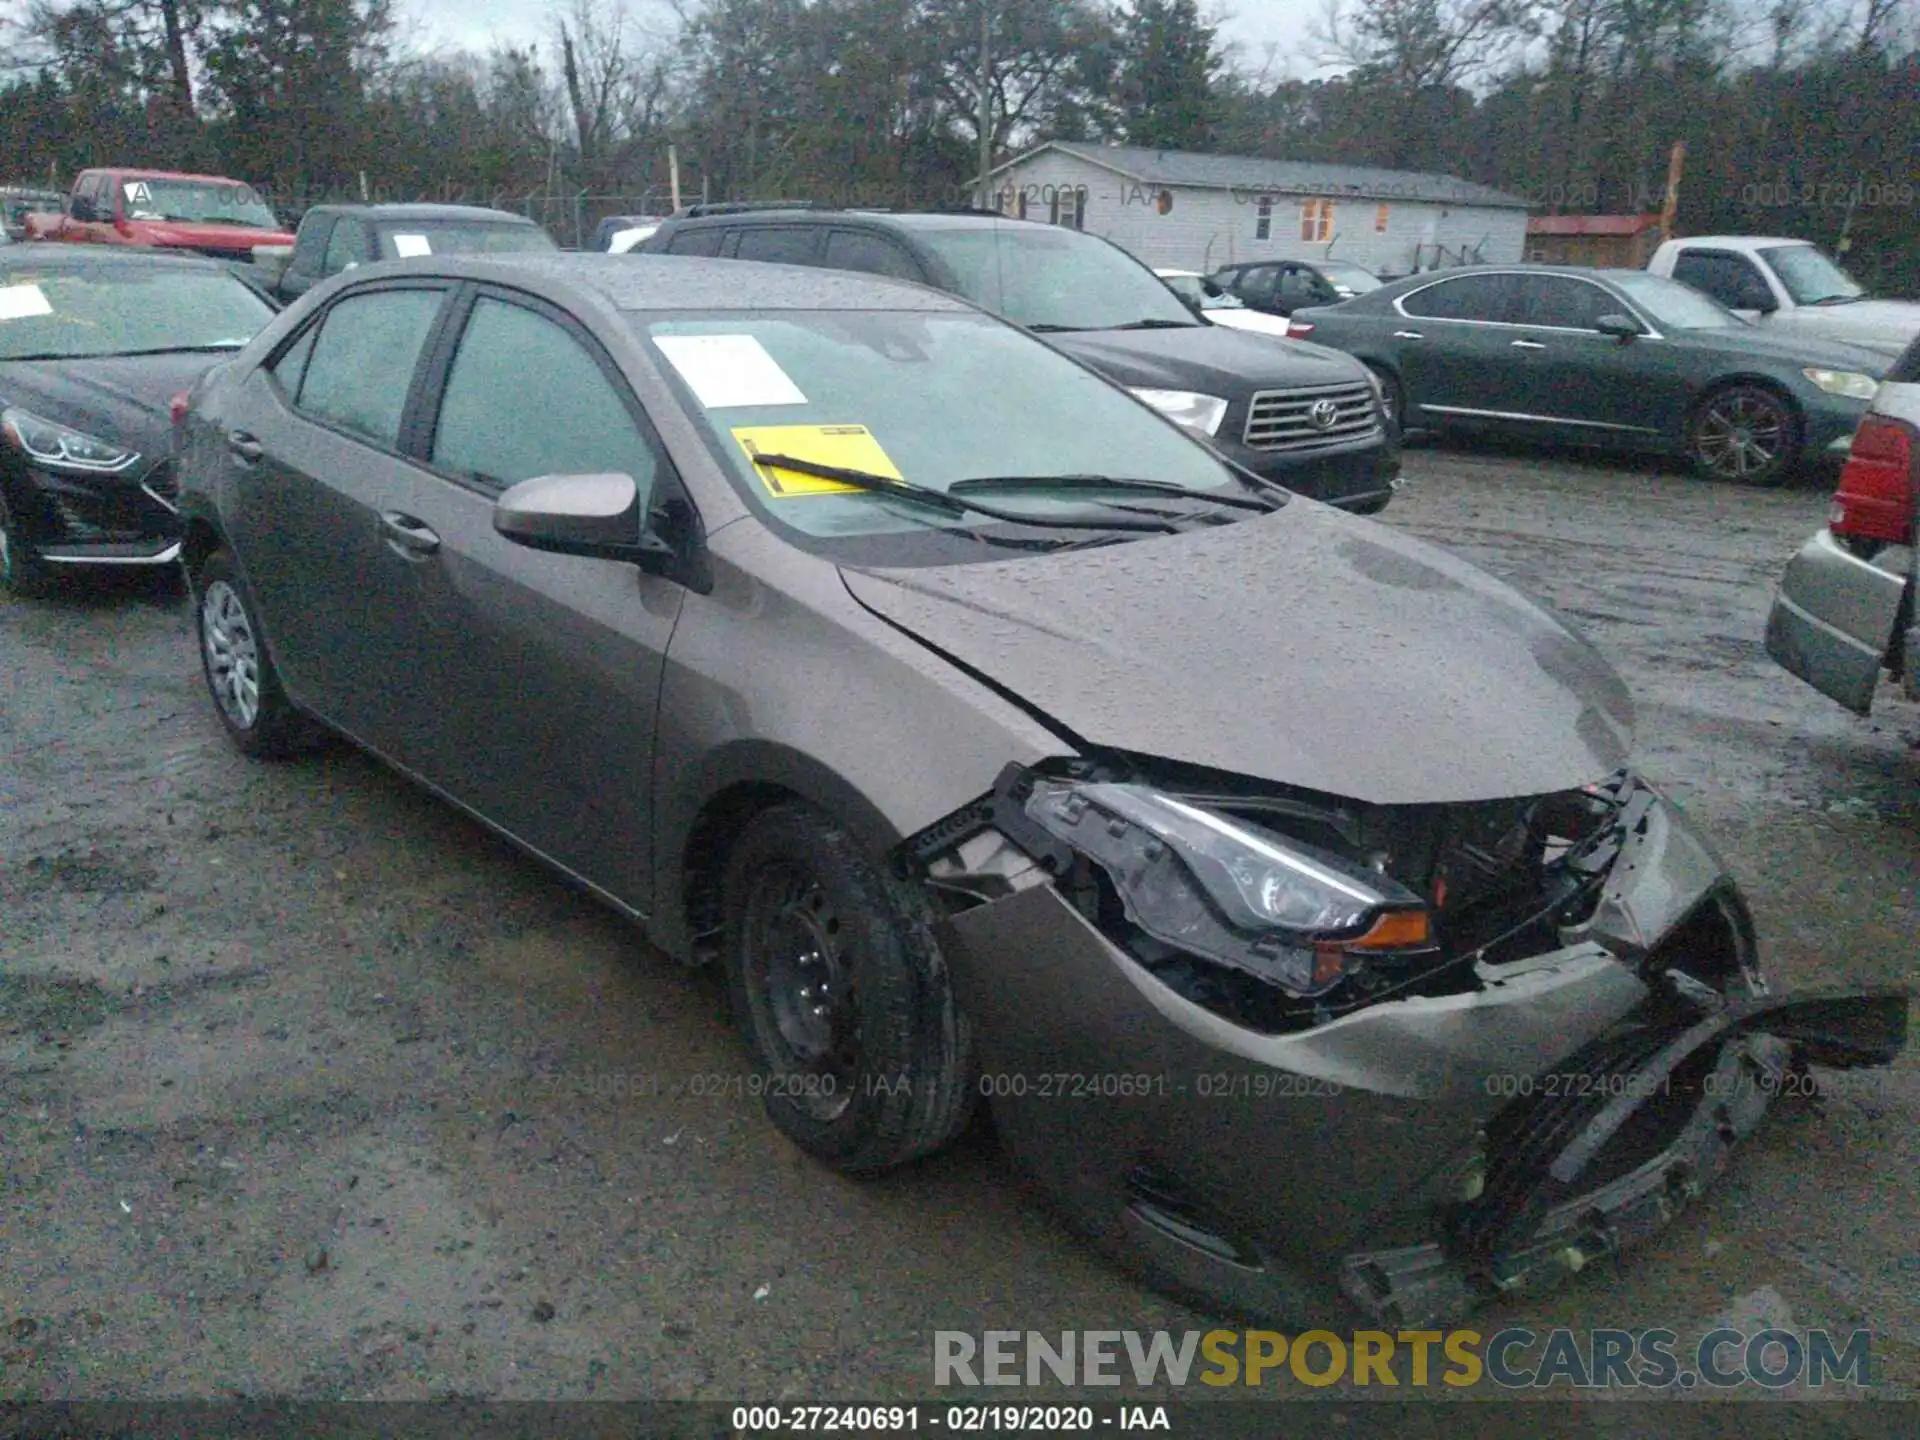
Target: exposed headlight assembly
column 1195, row 411
column 1229, row 891
column 1851, row 384
column 59, row 448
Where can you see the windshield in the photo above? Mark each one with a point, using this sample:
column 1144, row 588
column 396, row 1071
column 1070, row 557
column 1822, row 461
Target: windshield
column 1350, row 277
column 1672, row 305
column 1810, row 277
column 1060, row 279
column 71, row 314
column 460, row 237
column 199, row 202
column 932, row 399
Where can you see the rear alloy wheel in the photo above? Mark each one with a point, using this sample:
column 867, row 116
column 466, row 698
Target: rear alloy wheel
column 1744, row 434
column 240, row 675
column 22, row 573
column 842, row 996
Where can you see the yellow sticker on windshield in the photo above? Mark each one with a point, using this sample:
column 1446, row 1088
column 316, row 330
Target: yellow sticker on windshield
column 848, row 447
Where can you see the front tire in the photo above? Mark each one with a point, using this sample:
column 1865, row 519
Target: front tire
column 1393, row 399
column 842, row 996
column 23, row 574
column 246, row 690
column 1744, row 435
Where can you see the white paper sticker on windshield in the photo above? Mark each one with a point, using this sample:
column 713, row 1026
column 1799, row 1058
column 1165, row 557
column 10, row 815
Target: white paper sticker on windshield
column 729, row 370
column 409, row 246
column 137, row 193
column 19, row 302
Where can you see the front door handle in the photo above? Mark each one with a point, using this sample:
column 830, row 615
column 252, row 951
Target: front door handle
column 1528, row 345
column 408, row 534
column 1408, row 335
column 245, row 448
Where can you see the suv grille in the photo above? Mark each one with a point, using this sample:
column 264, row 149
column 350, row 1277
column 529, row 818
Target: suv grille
column 1306, row 419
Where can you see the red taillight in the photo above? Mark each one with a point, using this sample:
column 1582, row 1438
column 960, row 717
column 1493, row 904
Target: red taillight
column 177, row 408
column 1875, row 497
column 1299, row 329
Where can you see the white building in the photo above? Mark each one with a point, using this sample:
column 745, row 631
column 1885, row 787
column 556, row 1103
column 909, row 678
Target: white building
column 1199, row 212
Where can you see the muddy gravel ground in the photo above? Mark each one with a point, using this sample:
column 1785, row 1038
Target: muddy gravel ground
column 309, row 1087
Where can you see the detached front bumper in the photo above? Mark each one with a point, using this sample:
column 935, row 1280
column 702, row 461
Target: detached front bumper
column 1383, row 1155
column 1834, row 618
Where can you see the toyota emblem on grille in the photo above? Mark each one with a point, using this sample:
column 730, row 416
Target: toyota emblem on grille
column 1323, row 414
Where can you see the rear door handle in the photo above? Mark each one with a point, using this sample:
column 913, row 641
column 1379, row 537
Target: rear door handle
column 245, row 448
column 1408, row 335
column 406, row 533
column 1528, row 345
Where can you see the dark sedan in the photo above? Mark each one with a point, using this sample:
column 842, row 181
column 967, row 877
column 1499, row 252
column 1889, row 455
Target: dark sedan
column 93, row 347
column 1236, row 847
column 1616, row 357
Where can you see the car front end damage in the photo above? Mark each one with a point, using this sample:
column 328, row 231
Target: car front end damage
column 1273, row 1048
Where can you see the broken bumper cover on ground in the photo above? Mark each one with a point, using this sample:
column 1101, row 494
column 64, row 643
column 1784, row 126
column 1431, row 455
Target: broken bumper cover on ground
column 1415, row 1156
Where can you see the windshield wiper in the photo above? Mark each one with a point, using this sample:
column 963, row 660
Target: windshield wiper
column 218, row 349
column 1056, row 329
column 1030, row 484
column 950, row 504
column 1156, row 325
column 1836, row 299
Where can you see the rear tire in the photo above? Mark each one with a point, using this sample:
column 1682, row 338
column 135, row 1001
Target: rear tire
column 245, row 688
column 842, row 996
column 23, row 574
column 1744, row 435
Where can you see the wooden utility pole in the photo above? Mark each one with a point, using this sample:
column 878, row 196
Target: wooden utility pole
column 1670, row 211
column 986, row 100
column 673, row 174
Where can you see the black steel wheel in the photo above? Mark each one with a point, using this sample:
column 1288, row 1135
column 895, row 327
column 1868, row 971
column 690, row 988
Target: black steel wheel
column 1745, row 434
column 841, row 994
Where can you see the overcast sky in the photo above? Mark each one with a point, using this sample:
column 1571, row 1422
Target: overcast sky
column 476, row 24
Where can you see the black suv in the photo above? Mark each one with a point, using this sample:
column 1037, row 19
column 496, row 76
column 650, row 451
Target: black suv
column 1280, row 287
column 1305, row 416
column 335, row 238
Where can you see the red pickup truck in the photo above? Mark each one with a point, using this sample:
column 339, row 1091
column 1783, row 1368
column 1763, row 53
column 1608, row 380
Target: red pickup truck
column 157, row 208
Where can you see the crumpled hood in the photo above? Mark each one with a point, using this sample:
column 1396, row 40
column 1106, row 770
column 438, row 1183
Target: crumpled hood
column 1217, row 359
column 1306, row 647
column 1884, row 326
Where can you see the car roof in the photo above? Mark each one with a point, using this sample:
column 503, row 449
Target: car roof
column 94, row 257
column 143, row 173
column 1738, row 242
column 687, row 282
column 897, row 219
column 422, row 212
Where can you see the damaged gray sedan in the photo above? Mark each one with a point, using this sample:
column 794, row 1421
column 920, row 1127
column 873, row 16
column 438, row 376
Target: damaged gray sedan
column 1278, row 881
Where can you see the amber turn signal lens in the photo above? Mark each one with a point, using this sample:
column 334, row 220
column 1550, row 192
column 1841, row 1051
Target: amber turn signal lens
column 1396, row 930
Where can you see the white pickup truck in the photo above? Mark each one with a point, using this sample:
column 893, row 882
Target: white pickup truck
column 1791, row 286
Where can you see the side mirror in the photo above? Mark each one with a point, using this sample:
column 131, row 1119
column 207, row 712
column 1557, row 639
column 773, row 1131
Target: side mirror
column 596, row 515
column 81, row 209
column 1619, row 327
column 1761, row 302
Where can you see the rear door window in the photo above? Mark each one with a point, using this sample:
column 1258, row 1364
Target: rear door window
column 697, row 242
column 361, row 369
column 1468, row 297
column 870, row 254
column 779, row 244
